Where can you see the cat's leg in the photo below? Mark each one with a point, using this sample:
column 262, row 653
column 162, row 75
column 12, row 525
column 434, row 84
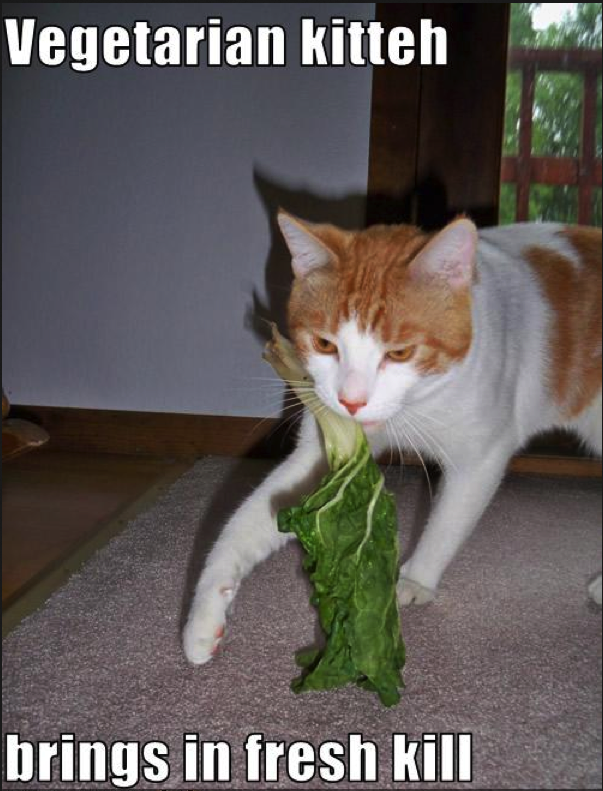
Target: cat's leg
column 249, row 537
column 467, row 490
column 589, row 427
column 594, row 590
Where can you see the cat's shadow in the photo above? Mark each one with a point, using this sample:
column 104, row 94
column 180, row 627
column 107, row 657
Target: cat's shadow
column 346, row 212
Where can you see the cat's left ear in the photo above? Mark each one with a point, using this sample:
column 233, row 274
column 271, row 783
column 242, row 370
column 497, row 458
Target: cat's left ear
column 311, row 246
column 449, row 256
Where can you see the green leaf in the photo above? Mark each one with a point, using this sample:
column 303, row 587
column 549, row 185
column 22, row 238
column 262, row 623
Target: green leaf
column 348, row 529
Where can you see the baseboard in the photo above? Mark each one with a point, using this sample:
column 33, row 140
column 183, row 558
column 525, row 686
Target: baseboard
column 179, row 436
column 159, row 434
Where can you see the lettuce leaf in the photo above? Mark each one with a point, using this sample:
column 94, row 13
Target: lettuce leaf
column 348, row 529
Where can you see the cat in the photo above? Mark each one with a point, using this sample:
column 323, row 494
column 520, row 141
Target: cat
column 459, row 345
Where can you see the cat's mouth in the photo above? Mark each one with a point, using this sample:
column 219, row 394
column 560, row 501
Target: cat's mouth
column 370, row 424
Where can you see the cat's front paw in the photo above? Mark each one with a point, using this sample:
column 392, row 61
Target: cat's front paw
column 411, row 592
column 594, row 590
column 206, row 624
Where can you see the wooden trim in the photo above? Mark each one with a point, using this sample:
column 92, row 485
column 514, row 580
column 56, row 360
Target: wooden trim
column 555, row 59
column 526, row 112
column 169, row 435
column 588, row 149
column 551, row 170
column 562, row 466
column 394, row 136
column 462, row 116
column 159, row 434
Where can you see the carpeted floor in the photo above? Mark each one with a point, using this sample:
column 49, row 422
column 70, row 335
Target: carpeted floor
column 510, row 652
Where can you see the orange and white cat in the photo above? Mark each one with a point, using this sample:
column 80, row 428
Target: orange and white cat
column 459, row 345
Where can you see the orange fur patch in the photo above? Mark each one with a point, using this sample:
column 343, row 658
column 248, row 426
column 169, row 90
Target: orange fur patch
column 368, row 281
column 574, row 294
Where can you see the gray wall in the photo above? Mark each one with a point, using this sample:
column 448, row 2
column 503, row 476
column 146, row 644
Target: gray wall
column 137, row 209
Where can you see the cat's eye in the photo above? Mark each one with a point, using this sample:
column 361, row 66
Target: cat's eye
column 324, row 346
column 401, row 355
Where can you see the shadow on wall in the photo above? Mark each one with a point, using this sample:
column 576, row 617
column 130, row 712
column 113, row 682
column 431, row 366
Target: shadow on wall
column 347, row 212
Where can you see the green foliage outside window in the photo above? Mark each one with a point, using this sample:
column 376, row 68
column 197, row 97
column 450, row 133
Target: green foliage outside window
column 557, row 110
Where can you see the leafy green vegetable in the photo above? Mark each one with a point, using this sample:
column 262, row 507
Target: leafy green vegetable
column 348, row 529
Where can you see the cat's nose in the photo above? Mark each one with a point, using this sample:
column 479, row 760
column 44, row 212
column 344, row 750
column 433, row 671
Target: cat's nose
column 352, row 406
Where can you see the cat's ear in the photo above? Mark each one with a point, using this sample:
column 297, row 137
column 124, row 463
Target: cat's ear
column 307, row 248
column 449, row 256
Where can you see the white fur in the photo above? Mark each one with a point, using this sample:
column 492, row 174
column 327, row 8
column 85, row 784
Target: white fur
column 358, row 373
column 470, row 420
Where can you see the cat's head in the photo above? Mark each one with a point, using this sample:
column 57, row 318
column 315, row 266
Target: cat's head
column 375, row 312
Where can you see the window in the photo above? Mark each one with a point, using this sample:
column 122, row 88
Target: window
column 551, row 168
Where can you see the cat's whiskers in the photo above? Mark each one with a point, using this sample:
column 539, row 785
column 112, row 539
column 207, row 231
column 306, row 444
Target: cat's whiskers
column 293, row 421
column 280, row 399
column 424, row 438
column 392, row 439
column 415, row 420
column 425, row 416
column 295, row 403
column 319, row 408
column 286, row 392
column 418, row 452
column 273, row 387
column 404, row 407
column 258, row 425
column 273, row 380
column 440, row 454
column 401, row 462
column 296, row 416
column 391, row 447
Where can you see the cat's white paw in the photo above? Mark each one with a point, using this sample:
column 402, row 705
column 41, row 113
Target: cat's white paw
column 411, row 592
column 594, row 589
column 206, row 624
column 201, row 641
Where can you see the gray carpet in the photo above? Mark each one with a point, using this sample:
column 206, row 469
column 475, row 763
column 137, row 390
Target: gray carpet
column 510, row 652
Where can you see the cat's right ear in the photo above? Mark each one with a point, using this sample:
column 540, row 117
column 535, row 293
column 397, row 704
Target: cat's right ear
column 449, row 257
column 308, row 250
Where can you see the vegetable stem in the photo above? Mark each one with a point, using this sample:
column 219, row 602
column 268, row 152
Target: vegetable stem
column 342, row 435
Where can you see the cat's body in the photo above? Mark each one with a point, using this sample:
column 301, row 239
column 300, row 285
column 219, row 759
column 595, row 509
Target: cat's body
column 459, row 346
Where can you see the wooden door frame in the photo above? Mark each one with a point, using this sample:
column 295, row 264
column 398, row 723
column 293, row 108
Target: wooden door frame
column 436, row 131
